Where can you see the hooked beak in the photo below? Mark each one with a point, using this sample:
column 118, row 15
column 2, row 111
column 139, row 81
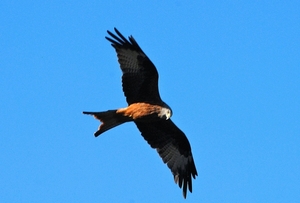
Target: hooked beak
column 166, row 117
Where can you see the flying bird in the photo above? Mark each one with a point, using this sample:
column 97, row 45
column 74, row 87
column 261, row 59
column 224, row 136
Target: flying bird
column 147, row 110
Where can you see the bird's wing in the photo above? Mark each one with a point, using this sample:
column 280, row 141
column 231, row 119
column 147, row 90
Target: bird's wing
column 140, row 77
column 174, row 149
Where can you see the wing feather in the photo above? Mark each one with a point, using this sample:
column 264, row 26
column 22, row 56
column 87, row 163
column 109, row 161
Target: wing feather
column 174, row 149
column 140, row 77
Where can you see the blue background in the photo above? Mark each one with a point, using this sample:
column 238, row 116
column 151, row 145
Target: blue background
column 230, row 70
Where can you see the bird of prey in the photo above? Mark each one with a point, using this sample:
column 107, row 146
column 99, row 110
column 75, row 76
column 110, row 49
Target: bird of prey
column 147, row 110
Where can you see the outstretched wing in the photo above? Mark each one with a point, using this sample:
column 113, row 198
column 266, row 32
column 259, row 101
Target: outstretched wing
column 174, row 148
column 140, row 77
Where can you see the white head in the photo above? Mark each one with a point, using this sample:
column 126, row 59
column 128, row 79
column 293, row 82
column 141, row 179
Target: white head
column 165, row 113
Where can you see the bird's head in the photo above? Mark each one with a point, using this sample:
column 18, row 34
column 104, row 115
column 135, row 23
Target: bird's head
column 165, row 113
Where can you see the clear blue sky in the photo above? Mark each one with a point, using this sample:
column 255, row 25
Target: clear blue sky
column 230, row 71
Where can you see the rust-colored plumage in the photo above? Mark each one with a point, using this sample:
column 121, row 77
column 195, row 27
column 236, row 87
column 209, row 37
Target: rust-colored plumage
column 147, row 110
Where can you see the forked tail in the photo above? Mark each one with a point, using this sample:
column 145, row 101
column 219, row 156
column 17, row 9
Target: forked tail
column 109, row 120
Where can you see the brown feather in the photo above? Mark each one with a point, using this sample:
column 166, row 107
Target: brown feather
column 140, row 111
column 109, row 119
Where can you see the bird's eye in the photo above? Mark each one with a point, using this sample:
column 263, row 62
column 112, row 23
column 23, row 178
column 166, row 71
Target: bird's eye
column 169, row 112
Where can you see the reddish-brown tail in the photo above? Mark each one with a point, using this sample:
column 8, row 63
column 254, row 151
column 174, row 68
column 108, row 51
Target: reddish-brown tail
column 109, row 120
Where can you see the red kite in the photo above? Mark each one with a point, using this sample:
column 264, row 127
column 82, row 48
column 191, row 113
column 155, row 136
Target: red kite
column 147, row 110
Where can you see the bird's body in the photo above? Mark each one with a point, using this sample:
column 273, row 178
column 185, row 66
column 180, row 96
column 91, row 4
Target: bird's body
column 146, row 109
column 139, row 112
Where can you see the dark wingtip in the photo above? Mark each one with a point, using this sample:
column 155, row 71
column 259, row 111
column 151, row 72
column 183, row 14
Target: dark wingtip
column 96, row 134
column 115, row 29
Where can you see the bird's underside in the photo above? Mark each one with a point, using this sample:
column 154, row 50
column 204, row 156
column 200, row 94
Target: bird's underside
column 146, row 109
column 139, row 112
